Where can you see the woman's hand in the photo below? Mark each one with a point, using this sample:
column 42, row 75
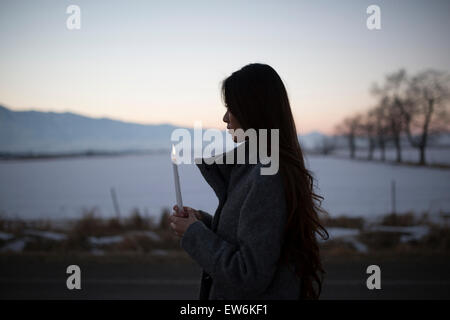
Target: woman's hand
column 186, row 211
column 180, row 221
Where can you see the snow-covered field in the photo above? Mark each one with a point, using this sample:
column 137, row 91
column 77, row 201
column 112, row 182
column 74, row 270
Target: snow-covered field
column 61, row 188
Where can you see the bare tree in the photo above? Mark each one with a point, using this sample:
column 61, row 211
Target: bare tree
column 393, row 96
column 417, row 106
column 326, row 145
column 396, row 125
column 425, row 110
column 367, row 129
column 380, row 113
column 349, row 128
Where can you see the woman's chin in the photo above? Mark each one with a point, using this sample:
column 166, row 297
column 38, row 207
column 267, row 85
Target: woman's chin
column 236, row 139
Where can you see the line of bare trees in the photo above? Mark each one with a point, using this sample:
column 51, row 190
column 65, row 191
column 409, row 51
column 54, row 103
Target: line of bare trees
column 414, row 106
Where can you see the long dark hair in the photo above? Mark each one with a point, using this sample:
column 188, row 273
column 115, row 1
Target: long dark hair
column 256, row 96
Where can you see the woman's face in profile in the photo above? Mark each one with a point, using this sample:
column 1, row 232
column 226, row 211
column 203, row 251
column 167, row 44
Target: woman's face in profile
column 232, row 123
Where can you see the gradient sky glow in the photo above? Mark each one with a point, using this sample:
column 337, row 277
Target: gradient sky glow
column 163, row 61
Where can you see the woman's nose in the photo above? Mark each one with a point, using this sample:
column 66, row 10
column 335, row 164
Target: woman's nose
column 225, row 117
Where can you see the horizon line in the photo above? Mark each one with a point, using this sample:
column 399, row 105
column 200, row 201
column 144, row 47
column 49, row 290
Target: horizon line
column 126, row 121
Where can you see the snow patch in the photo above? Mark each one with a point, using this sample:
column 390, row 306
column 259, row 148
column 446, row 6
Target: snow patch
column 6, row 236
column 14, row 246
column 98, row 241
column 348, row 235
column 46, row 235
column 410, row 233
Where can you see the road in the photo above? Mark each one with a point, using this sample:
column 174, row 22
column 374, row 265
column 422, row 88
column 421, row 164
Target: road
column 134, row 278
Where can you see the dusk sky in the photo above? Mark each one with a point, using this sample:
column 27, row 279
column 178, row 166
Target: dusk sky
column 163, row 61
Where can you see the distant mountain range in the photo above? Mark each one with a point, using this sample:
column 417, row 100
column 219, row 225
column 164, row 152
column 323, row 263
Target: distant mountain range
column 35, row 132
column 50, row 132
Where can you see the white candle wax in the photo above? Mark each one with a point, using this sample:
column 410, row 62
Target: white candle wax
column 176, row 178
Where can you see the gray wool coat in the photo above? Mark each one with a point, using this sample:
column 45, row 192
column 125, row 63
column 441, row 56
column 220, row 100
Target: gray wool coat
column 239, row 247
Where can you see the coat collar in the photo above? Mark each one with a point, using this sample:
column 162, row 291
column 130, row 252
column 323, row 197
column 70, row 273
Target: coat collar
column 217, row 172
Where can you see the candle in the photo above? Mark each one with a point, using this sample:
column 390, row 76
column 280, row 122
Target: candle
column 176, row 178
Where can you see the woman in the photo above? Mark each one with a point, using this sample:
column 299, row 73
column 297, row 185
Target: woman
column 261, row 242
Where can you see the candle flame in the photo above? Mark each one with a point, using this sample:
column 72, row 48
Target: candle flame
column 174, row 154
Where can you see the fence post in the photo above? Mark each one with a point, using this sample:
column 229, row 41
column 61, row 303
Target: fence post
column 393, row 197
column 115, row 203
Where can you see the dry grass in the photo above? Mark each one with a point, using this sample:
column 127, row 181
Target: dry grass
column 405, row 220
column 135, row 238
column 343, row 222
column 91, row 224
